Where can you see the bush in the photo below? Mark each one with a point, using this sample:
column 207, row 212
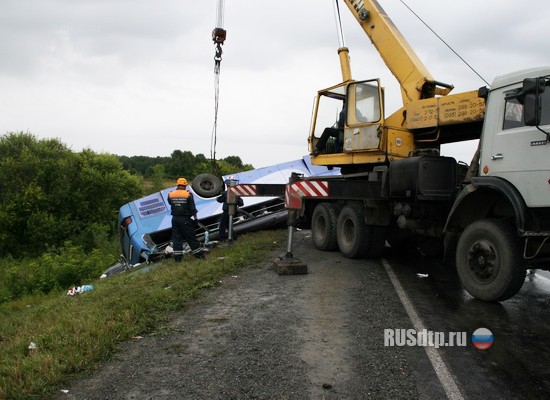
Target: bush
column 50, row 194
column 55, row 270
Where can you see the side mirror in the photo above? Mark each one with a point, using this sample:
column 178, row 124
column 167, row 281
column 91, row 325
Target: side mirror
column 530, row 97
column 533, row 86
column 530, row 86
column 532, row 109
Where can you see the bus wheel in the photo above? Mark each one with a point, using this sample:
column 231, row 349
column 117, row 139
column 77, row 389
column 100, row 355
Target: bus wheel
column 207, row 185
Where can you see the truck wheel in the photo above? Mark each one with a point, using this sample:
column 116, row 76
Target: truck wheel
column 323, row 226
column 489, row 261
column 207, row 185
column 353, row 232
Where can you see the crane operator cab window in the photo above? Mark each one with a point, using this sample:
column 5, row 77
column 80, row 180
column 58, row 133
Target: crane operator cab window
column 328, row 121
column 367, row 103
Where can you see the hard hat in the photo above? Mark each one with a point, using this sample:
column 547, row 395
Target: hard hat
column 182, row 182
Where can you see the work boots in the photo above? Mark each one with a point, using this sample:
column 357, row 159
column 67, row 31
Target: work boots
column 201, row 253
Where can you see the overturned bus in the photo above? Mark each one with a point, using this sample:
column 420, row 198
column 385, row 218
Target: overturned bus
column 145, row 229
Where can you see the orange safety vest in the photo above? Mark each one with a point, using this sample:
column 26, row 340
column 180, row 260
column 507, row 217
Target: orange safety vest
column 182, row 203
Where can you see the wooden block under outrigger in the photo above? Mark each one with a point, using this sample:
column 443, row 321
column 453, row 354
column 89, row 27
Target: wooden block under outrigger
column 289, row 266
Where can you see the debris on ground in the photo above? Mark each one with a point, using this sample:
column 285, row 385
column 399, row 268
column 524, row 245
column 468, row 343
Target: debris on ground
column 79, row 289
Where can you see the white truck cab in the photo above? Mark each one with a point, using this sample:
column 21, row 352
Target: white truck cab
column 510, row 148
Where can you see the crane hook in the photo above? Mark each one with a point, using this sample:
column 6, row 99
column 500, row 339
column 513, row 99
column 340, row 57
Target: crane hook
column 218, row 37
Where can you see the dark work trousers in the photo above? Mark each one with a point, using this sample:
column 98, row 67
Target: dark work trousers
column 335, row 133
column 224, row 227
column 183, row 229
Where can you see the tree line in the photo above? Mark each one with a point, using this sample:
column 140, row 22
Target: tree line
column 182, row 163
column 50, row 194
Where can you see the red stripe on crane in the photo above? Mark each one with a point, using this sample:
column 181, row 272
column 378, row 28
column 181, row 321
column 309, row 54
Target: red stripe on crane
column 244, row 190
column 295, row 191
column 310, row 188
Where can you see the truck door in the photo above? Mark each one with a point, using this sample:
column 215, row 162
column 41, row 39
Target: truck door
column 516, row 152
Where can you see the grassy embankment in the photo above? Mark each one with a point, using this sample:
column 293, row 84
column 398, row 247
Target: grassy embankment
column 73, row 333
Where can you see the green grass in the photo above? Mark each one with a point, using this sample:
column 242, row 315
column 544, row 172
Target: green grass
column 74, row 333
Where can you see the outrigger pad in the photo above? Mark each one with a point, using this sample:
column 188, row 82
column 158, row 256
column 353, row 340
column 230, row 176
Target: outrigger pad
column 289, row 266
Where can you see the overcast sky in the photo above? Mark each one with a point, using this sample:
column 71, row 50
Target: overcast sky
column 136, row 77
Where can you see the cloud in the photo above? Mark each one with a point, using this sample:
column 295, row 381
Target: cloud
column 136, row 77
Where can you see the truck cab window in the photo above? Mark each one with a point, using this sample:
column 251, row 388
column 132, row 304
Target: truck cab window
column 513, row 112
column 545, row 107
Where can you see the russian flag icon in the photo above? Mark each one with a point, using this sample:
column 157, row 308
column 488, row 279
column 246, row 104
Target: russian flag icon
column 482, row 338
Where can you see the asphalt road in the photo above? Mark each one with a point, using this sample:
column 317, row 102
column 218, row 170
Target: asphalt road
column 517, row 365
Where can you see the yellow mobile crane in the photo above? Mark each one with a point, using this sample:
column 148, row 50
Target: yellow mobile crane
column 491, row 218
column 429, row 116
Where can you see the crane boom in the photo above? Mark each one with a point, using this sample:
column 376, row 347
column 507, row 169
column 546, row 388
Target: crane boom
column 415, row 79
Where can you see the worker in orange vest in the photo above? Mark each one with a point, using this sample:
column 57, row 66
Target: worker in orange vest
column 183, row 227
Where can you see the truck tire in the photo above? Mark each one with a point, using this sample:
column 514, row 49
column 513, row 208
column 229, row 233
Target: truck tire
column 353, row 233
column 323, row 226
column 489, row 261
column 207, row 185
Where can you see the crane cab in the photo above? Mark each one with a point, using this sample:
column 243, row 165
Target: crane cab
column 348, row 126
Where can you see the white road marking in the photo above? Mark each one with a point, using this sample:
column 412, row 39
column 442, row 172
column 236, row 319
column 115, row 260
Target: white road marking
column 439, row 366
